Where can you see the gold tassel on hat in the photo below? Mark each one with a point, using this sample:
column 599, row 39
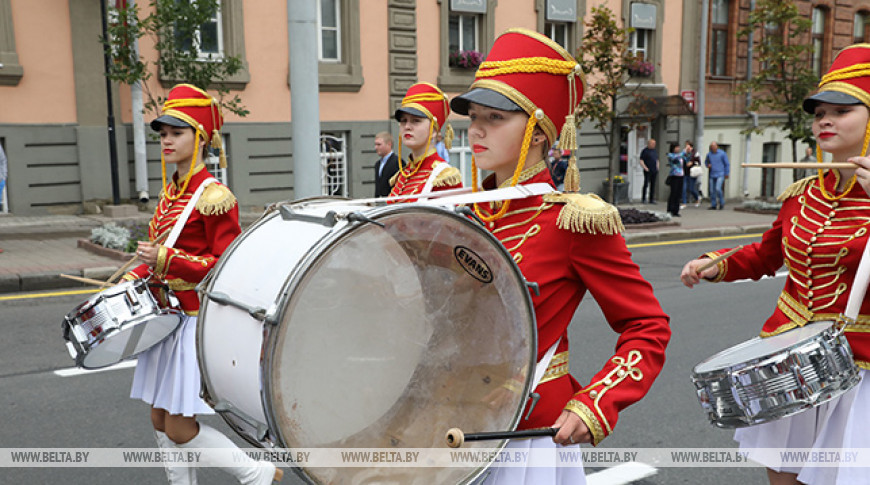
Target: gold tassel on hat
column 568, row 141
column 448, row 135
column 217, row 142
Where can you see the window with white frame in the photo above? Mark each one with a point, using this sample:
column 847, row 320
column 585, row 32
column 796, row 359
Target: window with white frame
column 819, row 17
column 638, row 44
column 559, row 33
column 859, row 29
column 329, row 23
column 463, row 32
column 208, row 38
column 333, row 164
column 719, row 13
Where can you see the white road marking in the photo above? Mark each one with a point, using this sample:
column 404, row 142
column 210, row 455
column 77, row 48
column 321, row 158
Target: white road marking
column 621, row 474
column 75, row 371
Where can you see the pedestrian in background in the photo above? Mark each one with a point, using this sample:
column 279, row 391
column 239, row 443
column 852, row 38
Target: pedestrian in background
column 649, row 162
column 719, row 167
column 810, row 157
column 692, row 174
column 676, row 170
column 387, row 165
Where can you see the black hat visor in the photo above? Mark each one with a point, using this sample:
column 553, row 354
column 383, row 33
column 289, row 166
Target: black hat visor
column 168, row 120
column 832, row 97
column 483, row 96
column 410, row 111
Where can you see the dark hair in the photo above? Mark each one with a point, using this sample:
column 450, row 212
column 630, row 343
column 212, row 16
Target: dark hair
column 674, row 145
column 689, row 142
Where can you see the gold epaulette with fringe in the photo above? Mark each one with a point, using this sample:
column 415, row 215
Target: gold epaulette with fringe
column 215, row 200
column 394, row 178
column 586, row 213
column 796, row 188
column 448, row 176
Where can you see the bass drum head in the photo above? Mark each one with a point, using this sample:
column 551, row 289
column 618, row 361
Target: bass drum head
column 392, row 335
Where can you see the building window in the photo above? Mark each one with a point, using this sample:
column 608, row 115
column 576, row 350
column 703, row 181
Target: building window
column 559, row 33
column 12, row 71
column 638, row 44
column 819, row 17
column 333, row 164
column 719, row 13
column 466, row 25
column 207, row 39
column 463, row 33
column 222, row 36
column 859, row 30
column 328, row 19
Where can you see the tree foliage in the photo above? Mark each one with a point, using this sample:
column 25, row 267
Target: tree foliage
column 606, row 60
column 173, row 26
column 784, row 52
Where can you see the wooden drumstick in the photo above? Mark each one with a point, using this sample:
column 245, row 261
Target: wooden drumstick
column 716, row 260
column 455, row 437
column 809, row 165
column 123, row 269
column 80, row 279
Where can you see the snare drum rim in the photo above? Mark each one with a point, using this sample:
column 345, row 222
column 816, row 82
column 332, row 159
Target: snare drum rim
column 318, row 250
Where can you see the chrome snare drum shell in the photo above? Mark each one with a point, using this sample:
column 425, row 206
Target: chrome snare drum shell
column 765, row 379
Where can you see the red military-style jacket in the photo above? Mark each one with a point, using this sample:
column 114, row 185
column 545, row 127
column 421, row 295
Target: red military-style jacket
column 821, row 242
column 413, row 177
column 570, row 244
column 211, row 227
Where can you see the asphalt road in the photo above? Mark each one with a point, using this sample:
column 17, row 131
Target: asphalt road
column 40, row 408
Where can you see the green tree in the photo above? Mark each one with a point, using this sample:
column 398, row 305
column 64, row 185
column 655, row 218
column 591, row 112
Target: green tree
column 178, row 29
column 784, row 52
column 606, row 61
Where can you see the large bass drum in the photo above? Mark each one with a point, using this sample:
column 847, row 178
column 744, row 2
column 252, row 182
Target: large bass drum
column 343, row 326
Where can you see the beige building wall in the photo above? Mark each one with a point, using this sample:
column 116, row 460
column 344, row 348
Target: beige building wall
column 46, row 93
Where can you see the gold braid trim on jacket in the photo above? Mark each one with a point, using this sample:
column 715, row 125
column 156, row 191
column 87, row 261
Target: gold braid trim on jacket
column 448, row 176
column 796, row 188
column 586, row 213
column 215, row 200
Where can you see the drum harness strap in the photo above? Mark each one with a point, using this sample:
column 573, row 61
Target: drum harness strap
column 437, row 169
column 182, row 219
column 540, row 369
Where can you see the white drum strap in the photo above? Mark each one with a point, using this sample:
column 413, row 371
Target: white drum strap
column 859, row 286
column 542, row 365
column 182, row 219
column 437, row 169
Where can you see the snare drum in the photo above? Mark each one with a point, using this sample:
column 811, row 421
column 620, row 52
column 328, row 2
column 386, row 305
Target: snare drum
column 118, row 323
column 357, row 327
column 765, row 379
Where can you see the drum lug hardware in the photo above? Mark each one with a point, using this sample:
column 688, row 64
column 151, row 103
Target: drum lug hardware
column 258, row 313
column 227, row 407
column 534, row 287
column 328, row 220
column 360, row 217
column 466, row 211
column 534, row 396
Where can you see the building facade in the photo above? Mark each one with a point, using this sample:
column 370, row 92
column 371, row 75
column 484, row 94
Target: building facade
column 54, row 109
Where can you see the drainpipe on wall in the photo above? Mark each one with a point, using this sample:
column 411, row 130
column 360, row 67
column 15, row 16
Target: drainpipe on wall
column 305, row 104
column 140, row 163
column 752, row 114
column 702, row 76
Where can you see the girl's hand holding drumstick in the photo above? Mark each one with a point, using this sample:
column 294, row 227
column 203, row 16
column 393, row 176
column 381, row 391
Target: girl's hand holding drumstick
column 705, row 268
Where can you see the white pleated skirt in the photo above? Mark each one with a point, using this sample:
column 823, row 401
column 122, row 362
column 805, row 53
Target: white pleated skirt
column 841, row 423
column 167, row 375
column 537, row 475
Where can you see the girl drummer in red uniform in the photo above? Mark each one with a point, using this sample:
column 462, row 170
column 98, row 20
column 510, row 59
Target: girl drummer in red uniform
column 167, row 375
column 820, row 234
column 423, row 113
column 524, row 94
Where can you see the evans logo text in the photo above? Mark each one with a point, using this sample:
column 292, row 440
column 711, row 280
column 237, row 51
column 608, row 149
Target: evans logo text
column 473, row 264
